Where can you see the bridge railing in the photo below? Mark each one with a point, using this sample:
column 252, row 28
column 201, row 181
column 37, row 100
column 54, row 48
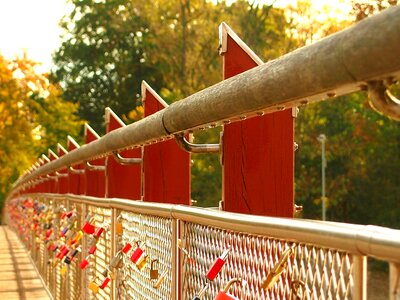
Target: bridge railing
column 311, row 259
column 62, row 204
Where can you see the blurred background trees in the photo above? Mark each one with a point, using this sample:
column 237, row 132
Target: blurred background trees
column 109, row 47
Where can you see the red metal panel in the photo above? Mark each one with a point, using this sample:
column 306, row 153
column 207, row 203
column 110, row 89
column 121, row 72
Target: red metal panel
column 258, row 158
column 63, row 179
column 166, row 166
column 76, row 182
column 47, row 181
column 54, row 180
column 123, row 181
column 95, row 180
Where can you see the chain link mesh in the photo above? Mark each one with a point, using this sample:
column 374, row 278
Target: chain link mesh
column 307, row 272
column 154, row 236
column 319, row 273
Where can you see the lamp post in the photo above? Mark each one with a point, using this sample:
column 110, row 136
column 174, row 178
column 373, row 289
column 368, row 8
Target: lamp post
column 322, row 138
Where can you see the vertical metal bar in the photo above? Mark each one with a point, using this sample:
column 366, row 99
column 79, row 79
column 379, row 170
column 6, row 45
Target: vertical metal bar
column 112, row 250
column 360, row 277
column 394, row 281
column 174, row 264
column 83, row 255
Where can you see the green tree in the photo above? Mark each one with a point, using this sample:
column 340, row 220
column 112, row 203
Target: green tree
column 103, row 58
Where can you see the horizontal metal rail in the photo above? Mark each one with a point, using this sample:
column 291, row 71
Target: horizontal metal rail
column 339, row 64
column 373, row 241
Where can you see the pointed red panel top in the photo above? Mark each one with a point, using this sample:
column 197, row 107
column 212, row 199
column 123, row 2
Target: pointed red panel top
column 90, row 134
column 72, row 144
column 123, row 181
column 258, row 158
column 166, row 166
column 61, row 151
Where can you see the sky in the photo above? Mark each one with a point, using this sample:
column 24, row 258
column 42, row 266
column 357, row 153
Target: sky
column 32, row 26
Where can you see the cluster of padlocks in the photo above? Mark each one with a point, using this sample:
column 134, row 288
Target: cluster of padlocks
column 58, row 230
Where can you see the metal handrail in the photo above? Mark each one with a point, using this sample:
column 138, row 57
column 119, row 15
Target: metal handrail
column 374, row 241
column 328, row 67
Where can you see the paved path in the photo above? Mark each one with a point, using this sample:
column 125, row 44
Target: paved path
column 18, row 277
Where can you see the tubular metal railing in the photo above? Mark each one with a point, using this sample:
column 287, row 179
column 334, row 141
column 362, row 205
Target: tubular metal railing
column 330, row 67
column 327, row 260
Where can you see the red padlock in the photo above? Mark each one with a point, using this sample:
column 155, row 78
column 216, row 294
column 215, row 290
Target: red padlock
column 105, row 282
column 92, row 249
column 88, row 228
column 126, row 248
column 98, row 232
column 223, row 294
column 84, row 263
column 137, row 253
column 63, row 251
column 217, row 265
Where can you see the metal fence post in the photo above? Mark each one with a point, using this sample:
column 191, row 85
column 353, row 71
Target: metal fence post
column 360, row 277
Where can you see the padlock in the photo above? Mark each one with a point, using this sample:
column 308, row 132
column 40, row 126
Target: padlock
column 142, row 262
column 88, row 227
column 153, row 271
column 137, row 253
column 108, row 273
column 160, row 280
column 126, row 248
column 217, row 265
column 105, row 282
column 223, row 294
column 98, row 232
column 116, row 261
column 92, row 249
column 77, row 237
column 94, row 287
column 119, row 230
column 201, row 292
column 277, row 270
column 63, row 270
column 84, row 263
column 189, row 259
column 71, row 257
column 63, row 252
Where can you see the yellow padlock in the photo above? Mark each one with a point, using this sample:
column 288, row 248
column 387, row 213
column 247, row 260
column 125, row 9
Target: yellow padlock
column 94, row 287
column 274, row 275
column 142, row 262
column 63, row 270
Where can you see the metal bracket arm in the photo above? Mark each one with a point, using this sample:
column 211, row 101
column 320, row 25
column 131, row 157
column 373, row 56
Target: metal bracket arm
column 126, row 160
column 61, row 174
column 383, row 101
column 75, row 171
column 94, row 167
column 196, row 148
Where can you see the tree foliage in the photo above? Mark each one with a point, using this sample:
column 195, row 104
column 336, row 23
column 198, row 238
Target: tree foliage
column 33, row 117
column 110, row 46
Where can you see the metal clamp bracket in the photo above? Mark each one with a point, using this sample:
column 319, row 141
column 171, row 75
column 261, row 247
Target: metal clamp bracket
column 126, row 160
column 61, row 174
column 383, row 101
column 94, row 167
column 76, row 171
column 196, row 148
